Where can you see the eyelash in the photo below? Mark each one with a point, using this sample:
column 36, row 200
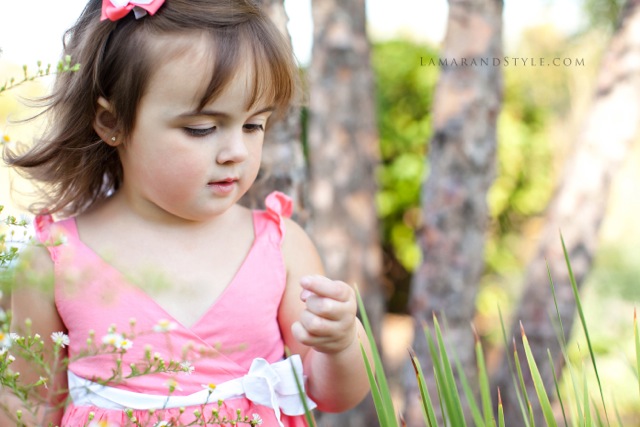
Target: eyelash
column 197, row 132
column 253, row 128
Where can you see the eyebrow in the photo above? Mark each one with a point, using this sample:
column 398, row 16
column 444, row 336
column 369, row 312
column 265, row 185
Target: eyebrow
column 223, row 115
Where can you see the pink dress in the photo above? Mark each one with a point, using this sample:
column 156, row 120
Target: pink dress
column 94, row 299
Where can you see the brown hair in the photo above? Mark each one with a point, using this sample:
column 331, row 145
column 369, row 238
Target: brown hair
column 75, row 168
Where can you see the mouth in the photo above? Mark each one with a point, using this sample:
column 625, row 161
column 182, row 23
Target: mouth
column 224, row 181
column 223, row 186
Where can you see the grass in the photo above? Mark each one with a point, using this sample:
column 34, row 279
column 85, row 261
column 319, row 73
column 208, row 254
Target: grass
column 577, row 406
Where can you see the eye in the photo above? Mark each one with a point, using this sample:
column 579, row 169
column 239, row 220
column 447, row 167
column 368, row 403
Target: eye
column 200, row 132
column 249, row 128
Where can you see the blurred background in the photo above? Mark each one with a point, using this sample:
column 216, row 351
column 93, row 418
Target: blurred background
column 538, row 116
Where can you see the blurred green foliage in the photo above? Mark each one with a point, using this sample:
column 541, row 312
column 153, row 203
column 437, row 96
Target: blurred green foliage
column 404, row 91
column 525, row 177
column 603, row 13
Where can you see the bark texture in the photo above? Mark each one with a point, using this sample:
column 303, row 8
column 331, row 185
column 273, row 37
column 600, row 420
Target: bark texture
column 343, row 154
column 577, row 208
column 462, row 161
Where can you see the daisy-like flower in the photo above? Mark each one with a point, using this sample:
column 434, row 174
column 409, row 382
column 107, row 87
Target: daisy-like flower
column 173, row 385
column 164, row 325
column 117, row 340
column 101, row 424
column 4, row 138
column 256, row 420
column 211, row 387
column 6, row 339
column 111, row 339
column 60, row 339
column 125, row 344
column 162, row 424
column 187, row 367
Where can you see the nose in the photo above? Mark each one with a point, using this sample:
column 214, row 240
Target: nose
column 233, row 149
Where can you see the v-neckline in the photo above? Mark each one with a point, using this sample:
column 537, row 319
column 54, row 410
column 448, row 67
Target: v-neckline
column 136, row 288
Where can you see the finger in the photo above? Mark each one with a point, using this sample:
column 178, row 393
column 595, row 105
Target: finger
column 328, row 288
column 316, row 325
column 305, row 294
column 328, row 308
column 319, row 342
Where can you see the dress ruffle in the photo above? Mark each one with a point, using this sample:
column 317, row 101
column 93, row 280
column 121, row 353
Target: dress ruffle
column 279, row 206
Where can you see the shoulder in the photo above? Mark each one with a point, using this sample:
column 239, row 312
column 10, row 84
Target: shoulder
column 298, row 249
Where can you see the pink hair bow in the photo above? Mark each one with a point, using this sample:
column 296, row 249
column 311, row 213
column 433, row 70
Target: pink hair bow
column 117, row 9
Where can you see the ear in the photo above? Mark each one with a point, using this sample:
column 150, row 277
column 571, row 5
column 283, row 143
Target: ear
column 105, row 123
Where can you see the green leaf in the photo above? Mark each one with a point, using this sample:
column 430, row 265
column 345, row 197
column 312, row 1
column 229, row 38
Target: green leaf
column 427, row 406
column 379, row 377
column 637, row 339
column 555, row 382
column 455, row 405
column 576, row 294
column 545, row 404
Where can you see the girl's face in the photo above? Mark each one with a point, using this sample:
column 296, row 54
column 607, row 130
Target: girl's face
column 188, row 164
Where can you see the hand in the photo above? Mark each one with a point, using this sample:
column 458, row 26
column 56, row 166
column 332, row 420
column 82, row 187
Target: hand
column 328, row 324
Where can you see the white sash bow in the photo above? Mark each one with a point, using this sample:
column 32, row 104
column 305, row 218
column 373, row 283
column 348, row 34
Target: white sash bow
column 271, row 385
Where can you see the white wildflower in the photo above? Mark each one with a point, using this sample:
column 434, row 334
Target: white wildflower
column 118, row 341
column 60, row 339
column 165, row 325
column 187, row 367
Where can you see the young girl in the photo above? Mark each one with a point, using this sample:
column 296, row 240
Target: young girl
column 152, row 143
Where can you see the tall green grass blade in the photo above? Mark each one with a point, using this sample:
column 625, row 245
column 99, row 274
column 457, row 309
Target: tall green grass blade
column 427, row 405
column 576, row 295
column 527, row 416
column 446, row 406
column 471, row 399
column 561, row 334
column 500, row 411
column 381, row 410
column 555, row 382
column 637, row 339
column 308, row 415
column 483, row 381
column 457, row 414
column 512, row 372
column 617, row 412
column 595, row 411
column 545, row 404
column 380, row 378
column 587, row 409
column 443, row 408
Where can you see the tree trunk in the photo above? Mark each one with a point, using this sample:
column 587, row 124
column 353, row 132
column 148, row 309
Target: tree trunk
column 343, row 154
column 462, row 161
column 283, row 164
column 578, row 207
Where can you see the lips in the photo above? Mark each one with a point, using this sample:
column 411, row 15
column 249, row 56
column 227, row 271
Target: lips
column 223, row 181
column 224, row 186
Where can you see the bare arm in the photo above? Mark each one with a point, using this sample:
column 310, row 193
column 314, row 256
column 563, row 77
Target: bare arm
column 32, row 300
column 318, row 321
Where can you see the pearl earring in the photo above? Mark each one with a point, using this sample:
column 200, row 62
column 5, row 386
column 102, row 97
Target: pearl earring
column 113, row 139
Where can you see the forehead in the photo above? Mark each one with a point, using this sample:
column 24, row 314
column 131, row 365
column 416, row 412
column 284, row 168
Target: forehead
column 189, row 75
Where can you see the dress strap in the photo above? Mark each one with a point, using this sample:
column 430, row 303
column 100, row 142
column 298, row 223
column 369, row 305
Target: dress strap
column 278, row 206
column 49, row 234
